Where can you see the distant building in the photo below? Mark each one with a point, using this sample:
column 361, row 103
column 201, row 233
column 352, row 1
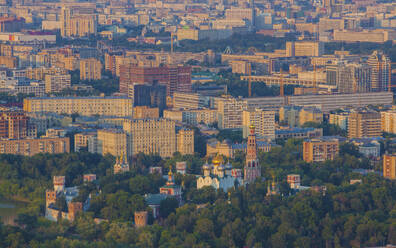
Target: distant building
column 339, row 119
column 141, row 218
column 230, row 112
column 81, row 141
column 175, row 78
column 294, row 181
column 319, row 150
column 304, row 48
column 299, row 133
column 121, row 165
column 389, row 166
column 30, row 147
column 185, row 141
column 77, row 25
column 57, row 82
column 388, row 121
column 112, row 141
column 151, row 95
column 363, row 124
column 380, row 65
column 264, row 122
column 90, row 69
column 145, row 112
column 227, row 149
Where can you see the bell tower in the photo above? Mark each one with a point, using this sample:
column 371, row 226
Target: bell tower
column 252, row 168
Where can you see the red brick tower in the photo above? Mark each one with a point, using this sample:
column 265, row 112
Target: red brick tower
column 140, row 218
column 252, row 168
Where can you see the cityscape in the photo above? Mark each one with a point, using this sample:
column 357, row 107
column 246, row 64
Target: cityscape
column 197, row 123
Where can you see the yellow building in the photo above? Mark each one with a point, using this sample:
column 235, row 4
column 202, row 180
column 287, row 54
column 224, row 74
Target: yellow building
column 30, row 147
column 230, row 112
column 151, row 136
column 85, row 106
column 304, row 48
column 81, row 140
column 319, row 150
column 145, row 112
column 263, row 121
column 310, row 115
column 364, row 124
column 185, row 141
column 389, row 166
column 57, row 82
column 39, row 73
column 388, row 121
column 77, row 25
column 90, row 69
column 112, row 141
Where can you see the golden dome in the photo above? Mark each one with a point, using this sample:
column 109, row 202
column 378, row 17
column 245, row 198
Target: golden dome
column 217, row 160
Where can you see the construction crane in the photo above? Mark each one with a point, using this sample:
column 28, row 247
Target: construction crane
column 315, row 89
column 282, row 87
column 172, row 42
column 250, row 79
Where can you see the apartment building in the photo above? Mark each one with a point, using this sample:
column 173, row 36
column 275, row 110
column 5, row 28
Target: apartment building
column 189, row 101
column 84, row 106
column 263, row 121
column 388, row 121
column 30, row 147
column 112, row 141
column 230, row 112
column 304, row 48
column 319, row 150
column 14, row 125
column 74, row 24
column 151, row 136
column 363, row 124
column 389, row 166
column 310, row 114
column 90, row 69
column 145, row 112
column 57, row 82
column 82, row 141
column 185, row 141
column 380, row 65
column 339, row 119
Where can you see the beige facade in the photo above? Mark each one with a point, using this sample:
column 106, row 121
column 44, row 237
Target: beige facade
column 319, row 150
column 364, row 124
column 185, row 141
column 112, row 141
column 57, row 82
column 310, row 115
column 30, row 147
column 85, row 106
column 230, row 112
column 389, row 166
column 151, row 136
column 263, row 121
column 81, row 140
column 90, row 69
column 304, row 48
column 388, row 121
column 77, row 25
column 144, row 112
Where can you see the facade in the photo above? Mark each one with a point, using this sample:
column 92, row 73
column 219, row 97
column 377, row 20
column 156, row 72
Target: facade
column 81, row 141
column 364, row 124
column 145, row 112
column 57, row 82
column 84, row 106
column 151, row 95
column 319, row 150
column 14, row 125
column 77, row 25
column 189, row 101
column 349, row 77
column 252, row 169
column 304, row 48
column 310, row 114
column 339, row 119
column 230, row 112
column 294, row 181
column 112, row 141
column 90, row 69
column 151, row 136
column 388, row 121
column 30, row 147
column 175, row 78
column 227, row 149
column 389, row 166
column 264, row 122
column 185, row 141
column 299, row 133
column 380, row 65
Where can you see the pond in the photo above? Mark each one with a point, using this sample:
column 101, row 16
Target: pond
column 8, row 211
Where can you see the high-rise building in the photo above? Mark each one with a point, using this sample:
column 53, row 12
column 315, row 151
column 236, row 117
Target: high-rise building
column 151, row 136
column 319, row 150
column 363, row 124
column 230, row 112
column 380, row 66
column 112, row 141
column 185, row 141
column 13, row 125
column 90, row 69
column 264, row 122
column 389, row 166
column 57, row 82
column 175, row 78
column 388, row 121
column 310, row 114
column 77, row 25
column 151, row 95
column 252, row 168
column 349, row 78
